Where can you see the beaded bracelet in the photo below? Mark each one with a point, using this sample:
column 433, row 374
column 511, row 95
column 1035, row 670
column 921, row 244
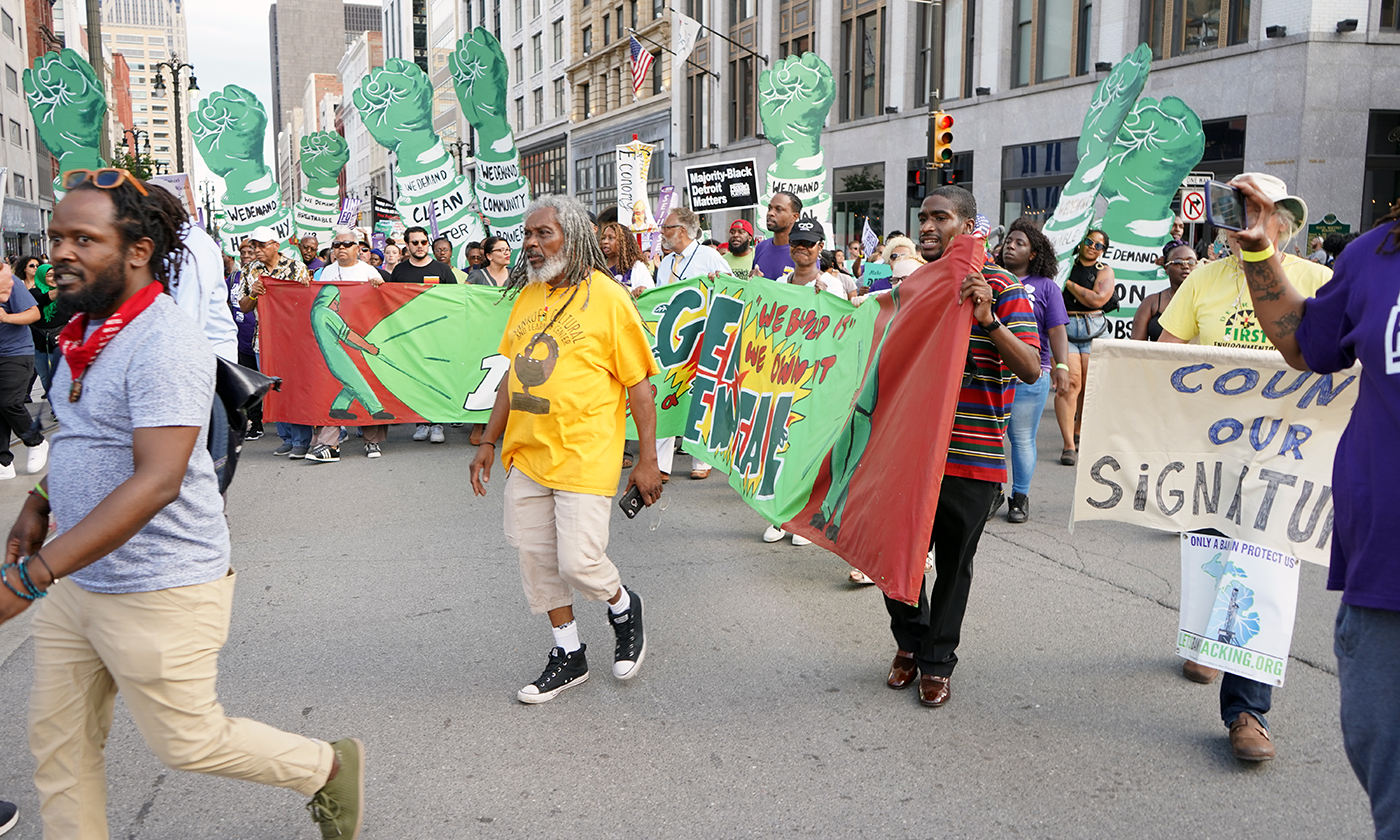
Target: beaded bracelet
column 5, row 580
column 35, row 592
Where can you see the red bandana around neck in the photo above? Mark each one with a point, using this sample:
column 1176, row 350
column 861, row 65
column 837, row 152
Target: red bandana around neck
column 80, row 354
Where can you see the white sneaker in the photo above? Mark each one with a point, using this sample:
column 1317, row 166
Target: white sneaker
column 7, row 471
column 773, row 534
column 437, row 435
column 38, row 457
column 796, row 540
column 421, row 433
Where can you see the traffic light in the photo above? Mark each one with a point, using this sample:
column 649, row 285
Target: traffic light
column 942, row 139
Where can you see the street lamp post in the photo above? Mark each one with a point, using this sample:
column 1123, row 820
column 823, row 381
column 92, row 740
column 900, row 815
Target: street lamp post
column 175, row 65
column 136, row 141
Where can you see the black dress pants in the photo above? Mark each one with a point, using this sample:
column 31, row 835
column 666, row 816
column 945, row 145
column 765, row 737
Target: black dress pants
column 931, row 630
column 15, row 373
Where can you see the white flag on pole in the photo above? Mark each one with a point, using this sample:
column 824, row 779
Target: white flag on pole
column 684, row 32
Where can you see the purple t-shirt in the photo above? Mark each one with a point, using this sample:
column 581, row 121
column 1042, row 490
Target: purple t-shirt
column 1350, row 321
column 247, row 321
column 1049, row 306
column 772, row 259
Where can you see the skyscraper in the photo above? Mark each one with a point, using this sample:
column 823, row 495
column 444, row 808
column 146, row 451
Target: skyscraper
column 147, row 32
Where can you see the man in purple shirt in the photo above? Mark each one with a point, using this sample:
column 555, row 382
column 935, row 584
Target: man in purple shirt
column 1352, row 320
column 771, row 258
column 308, row 245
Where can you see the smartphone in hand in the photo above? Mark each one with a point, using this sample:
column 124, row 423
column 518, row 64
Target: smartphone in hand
column 1225, row 206
column 631, row 502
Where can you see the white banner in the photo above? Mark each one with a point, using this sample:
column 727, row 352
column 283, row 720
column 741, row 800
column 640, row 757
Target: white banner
column 684, row 32
column 633, row 206
column 1181, row 438
column 1238, row 602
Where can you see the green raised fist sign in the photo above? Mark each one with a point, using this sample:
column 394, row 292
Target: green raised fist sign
column 1113, row 101
column 396, row 103
column 794, row 97
column 68, row 107
column 479, row 74
column 1156, row 148
column 323, row 155
column 228, row 129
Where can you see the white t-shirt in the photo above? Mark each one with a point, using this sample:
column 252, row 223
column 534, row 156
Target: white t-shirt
column 200, row 291
column 360, row 272
column 641, row 276
column 827, row 283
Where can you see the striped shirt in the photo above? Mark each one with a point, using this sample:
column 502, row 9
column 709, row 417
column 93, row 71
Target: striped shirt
column 975, row 449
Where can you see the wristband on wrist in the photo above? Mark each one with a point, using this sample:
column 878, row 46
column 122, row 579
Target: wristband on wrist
column 1061, row 366
column 53, row 578
column 1257, row 256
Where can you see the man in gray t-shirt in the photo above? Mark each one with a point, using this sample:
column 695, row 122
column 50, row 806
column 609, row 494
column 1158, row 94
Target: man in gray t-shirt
column 140, row 534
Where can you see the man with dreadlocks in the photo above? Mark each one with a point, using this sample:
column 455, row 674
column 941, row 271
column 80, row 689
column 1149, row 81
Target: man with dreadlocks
column 1352, row 319
column 136, row 586
column 579, row 355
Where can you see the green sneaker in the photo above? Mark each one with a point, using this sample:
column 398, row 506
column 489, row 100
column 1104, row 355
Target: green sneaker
column 336, row 807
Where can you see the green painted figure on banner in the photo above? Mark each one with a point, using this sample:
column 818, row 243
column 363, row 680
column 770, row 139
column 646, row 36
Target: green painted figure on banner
column 323, row 155
column 479, row 74
column 228, row 130
column 1133, row 154
column 794, row 97
column 396, row 103
column 69, row 109
column 333, row 336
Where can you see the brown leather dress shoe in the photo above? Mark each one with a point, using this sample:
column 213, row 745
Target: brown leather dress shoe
column 1198, row 673
column 933, row 691
column 1250, row 740
column 902, row 671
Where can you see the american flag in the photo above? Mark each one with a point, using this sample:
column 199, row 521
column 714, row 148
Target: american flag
column 641, row 63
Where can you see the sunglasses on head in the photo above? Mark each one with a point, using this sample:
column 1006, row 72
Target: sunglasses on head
column 1097, row 246
column 107, row 179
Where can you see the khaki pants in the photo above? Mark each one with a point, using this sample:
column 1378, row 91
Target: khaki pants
column 563, row 540
column 160, row 650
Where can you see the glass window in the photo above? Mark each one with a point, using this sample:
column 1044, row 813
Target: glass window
column 586, row 99
column 519, row 14
column 558, row 39
column 537, row 50
column 1033, row 176
column 697, row 106
column 559, row 97
column 607, row 29
column 588, row 40
column 742, row 96
column 1056, row 33
column 1388, row 16
column 16, row 136
column 11, row 79
column 742, row 10
column 1183, row 27
column 19, row 185
column 1086, row 26
column 583, row 175
column 520, row 113
column 1021, row 44
column 539, row 105
column 655, row 73
column 862, row 66
column 519, row 53
column 657, row 8
column 7, row 25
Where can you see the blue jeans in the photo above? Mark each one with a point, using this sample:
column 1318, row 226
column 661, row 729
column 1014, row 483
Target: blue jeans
column 1021, row 429
column 1083, row 329
column 46, row 364
column 1369, row 673
column 295, row 434
column 1241, row 694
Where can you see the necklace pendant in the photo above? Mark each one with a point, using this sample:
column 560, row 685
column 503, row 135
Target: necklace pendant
column 75, row 392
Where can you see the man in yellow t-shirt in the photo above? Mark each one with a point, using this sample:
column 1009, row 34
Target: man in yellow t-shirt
column 579, row 354
column 1214, row 308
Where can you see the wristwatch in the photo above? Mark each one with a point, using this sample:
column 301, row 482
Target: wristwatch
column 993, row 326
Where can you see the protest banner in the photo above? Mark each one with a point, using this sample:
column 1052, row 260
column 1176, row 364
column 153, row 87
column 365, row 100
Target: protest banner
column 633, row 206
column 1238, row 602
column 805, row 401
column 722, row 186
column 1181, row 437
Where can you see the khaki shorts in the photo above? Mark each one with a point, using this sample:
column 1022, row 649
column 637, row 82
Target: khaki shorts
column 563, row 540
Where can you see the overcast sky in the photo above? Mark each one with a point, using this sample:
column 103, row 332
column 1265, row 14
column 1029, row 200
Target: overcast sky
column 228, row 46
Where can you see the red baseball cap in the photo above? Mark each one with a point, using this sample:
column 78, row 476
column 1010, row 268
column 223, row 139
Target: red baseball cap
column 741, row 223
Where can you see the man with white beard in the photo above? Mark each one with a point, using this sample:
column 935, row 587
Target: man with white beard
column 579, row 353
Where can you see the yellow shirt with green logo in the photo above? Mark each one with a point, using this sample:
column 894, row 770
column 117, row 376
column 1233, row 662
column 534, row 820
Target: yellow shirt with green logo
column 568, row 382
column 1213, row 306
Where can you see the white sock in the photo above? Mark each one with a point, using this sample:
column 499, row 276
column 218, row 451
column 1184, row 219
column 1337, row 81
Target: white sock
column 566, row 636
column 622, row 603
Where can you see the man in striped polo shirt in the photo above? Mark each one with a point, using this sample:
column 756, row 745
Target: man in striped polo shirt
column 1005, row 345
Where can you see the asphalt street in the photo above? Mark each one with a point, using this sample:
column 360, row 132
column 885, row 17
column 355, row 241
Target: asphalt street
column 379, row 599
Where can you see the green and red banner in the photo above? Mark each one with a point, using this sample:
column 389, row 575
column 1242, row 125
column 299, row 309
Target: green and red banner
column 830, row 420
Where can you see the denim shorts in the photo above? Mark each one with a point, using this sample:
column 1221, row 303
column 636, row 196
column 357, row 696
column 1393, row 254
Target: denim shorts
column 1083, row 329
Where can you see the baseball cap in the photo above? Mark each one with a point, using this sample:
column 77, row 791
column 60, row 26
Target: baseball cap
column 741, row 223
column 807, row 230
column 264, row 233
column 1276, row 191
